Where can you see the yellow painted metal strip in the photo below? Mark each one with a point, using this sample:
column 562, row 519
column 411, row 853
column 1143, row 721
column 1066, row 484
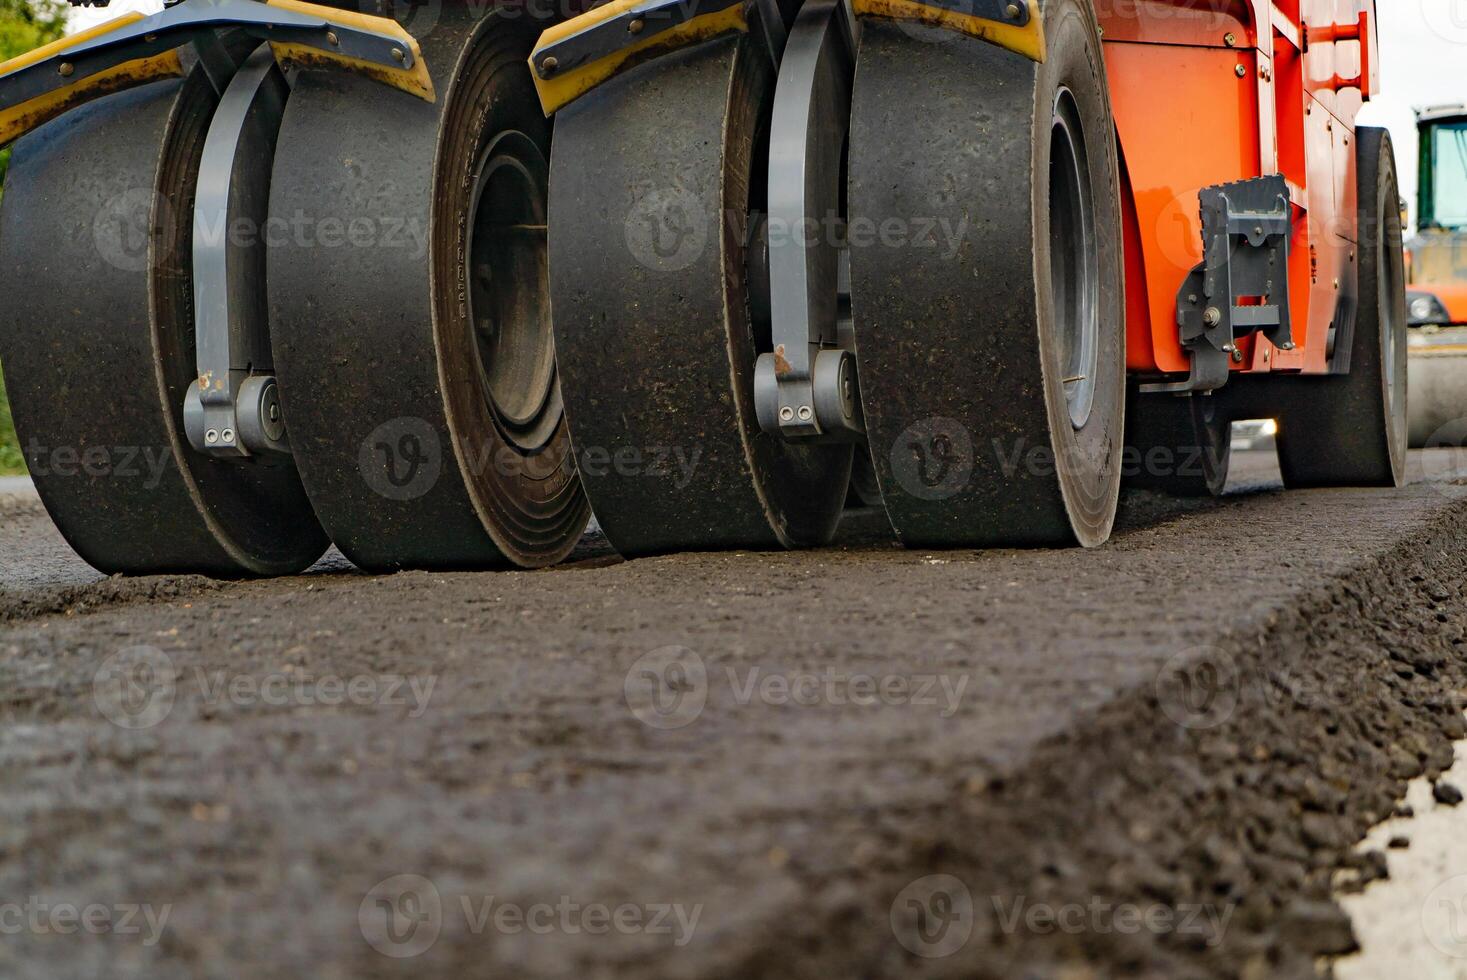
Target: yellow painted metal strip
column 560, row 90
column 414, row 80
column 18, row 120
column 1027, row 40
column 67, row 43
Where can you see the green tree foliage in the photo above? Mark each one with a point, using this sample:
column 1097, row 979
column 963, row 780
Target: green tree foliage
column 24, row 24
column 27, row 24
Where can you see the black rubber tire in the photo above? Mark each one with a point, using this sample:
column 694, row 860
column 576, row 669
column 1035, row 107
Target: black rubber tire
column 865, row 488
column 402, row 453
column 959, row 347
column 1351, row 429
column 1178, row 446
column 657, row 344
column 96, row 336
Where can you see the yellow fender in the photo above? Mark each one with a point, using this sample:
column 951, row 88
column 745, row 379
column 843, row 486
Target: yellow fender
column 19, row 119
column 414, row 80
column 1027, row 40
column 558, row 88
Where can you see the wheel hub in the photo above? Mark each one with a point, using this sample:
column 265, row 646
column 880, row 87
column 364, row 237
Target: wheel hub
column 1074, row 276
column 508, row 295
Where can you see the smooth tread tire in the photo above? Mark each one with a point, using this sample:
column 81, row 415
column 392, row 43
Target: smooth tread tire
column 416, row 369
column 992, row 365
column 1351, row 429
column 1178, row 446
column 654, row 178
column 97, row 339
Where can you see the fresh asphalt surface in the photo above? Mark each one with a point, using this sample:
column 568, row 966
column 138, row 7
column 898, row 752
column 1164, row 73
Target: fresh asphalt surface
column 858, row 761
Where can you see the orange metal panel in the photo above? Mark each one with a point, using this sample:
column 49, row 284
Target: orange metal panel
column 1197, row 129
column 1177, row 22
column 1230, row 111
column 1139, row 353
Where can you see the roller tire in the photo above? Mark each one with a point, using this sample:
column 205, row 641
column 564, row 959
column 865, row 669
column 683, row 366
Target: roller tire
column 98, row 346
column 959, row 344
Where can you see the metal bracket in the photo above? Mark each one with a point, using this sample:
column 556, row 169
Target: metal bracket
column 808, row 388
column 189, row 22
column 1242, row 285
column 233, row 409
column 633, row 26
column 1012, row 12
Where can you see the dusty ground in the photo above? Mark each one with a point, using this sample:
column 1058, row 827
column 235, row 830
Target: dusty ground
column 1143, row 760
column 1411, row 924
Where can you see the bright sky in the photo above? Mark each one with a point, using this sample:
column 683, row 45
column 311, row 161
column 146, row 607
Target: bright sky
column 1423, row 62
column 84, row 17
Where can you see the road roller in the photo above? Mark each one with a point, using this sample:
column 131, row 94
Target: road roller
column 1436, row 289
column 282, row 274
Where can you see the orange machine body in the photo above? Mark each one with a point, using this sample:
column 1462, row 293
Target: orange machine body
column 1211, row 91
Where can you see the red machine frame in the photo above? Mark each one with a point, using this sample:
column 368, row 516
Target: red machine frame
column 1267, row 87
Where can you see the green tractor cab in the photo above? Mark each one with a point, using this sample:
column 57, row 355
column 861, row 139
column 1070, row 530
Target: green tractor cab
column 1436, row 292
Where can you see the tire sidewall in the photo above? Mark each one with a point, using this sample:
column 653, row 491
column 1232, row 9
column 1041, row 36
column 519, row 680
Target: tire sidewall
column 1088, row 460
column 520, row 495
column 1390, row 274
